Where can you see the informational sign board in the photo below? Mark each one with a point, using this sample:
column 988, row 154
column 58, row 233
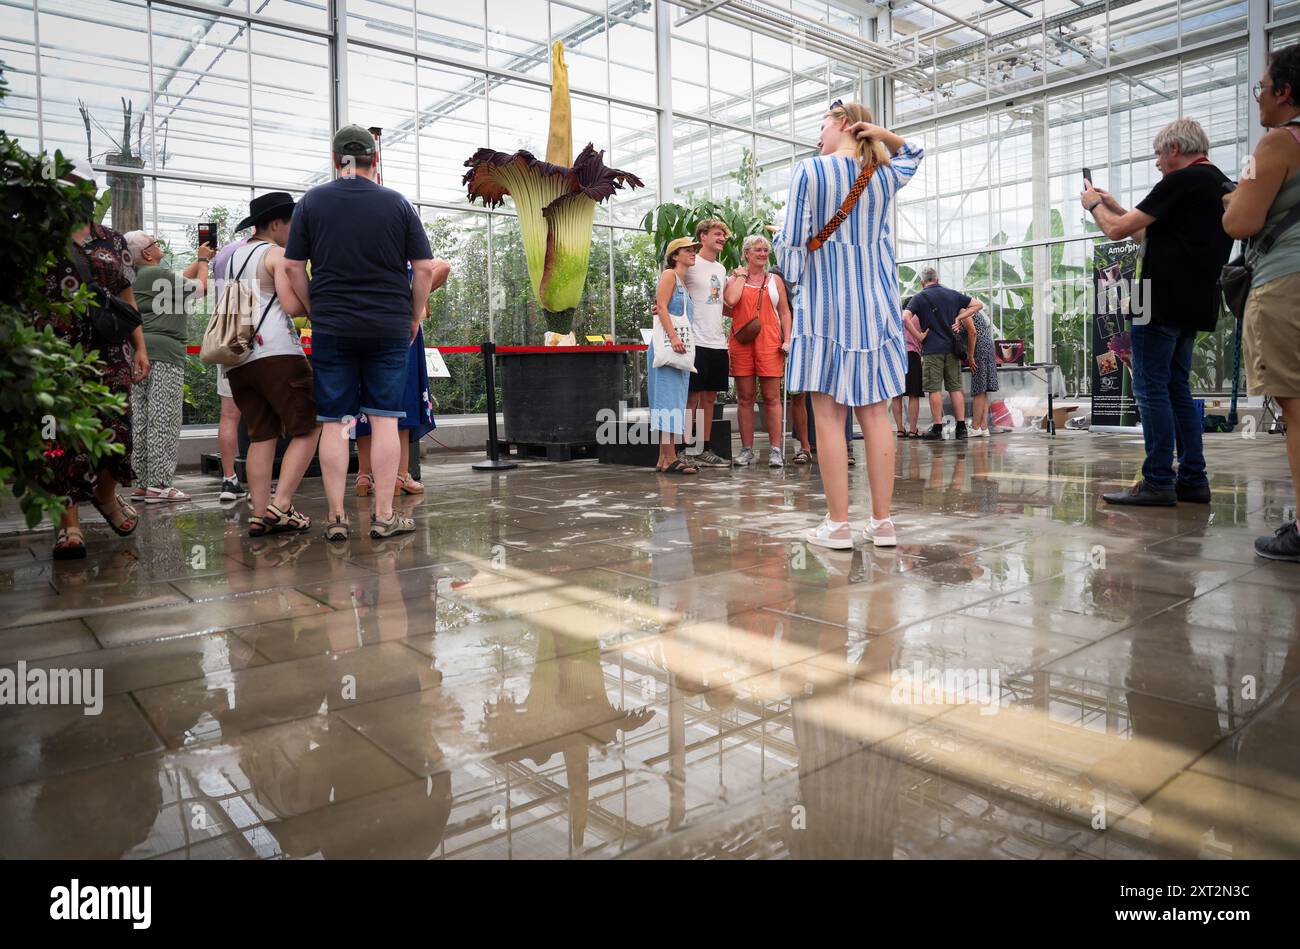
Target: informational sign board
column 1115, row 274
column 435, row 364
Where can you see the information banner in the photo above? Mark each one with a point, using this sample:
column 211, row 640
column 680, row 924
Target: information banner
column 1115, row 268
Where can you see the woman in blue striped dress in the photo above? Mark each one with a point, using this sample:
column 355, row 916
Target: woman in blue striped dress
column 848, row 347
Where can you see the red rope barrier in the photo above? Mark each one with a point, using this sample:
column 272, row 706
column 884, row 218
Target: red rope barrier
column 445, row 350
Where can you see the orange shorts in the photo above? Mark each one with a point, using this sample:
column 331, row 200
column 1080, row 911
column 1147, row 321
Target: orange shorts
column 758, row 358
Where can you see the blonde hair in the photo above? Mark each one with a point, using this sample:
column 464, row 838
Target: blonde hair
column 871, row 151
column 751, row 241
column 708, row 224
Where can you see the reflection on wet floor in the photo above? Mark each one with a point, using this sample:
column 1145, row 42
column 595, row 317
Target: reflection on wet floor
column 582, row 660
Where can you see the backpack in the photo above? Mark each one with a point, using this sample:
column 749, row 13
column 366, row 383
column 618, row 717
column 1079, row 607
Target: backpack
column 229, row 337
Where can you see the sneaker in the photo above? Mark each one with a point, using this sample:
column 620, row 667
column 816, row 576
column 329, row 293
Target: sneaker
column 978, row 433
column 746, row 457
column 707, row 459
column 882, row 535
column 231, row 490
column 934, row 434
column 829, row 534
column 960, row 431
column 1143, row 495
column 1193, row 493
column 1283, row 545
column 775, row 459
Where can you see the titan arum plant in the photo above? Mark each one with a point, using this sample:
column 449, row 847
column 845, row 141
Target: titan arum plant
column 556, row 202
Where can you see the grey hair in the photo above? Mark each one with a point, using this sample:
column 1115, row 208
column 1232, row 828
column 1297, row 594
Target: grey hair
column 1187, row 134
column 136, row 242
column 753, row 239
column 929, row 275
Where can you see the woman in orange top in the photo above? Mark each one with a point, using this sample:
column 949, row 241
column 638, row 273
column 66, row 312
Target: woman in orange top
column 752, row 291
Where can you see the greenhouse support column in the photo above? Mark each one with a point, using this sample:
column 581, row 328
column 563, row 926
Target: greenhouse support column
column 1042, row 253
column 664, row 84
column 1256, row 59
column 339, row 62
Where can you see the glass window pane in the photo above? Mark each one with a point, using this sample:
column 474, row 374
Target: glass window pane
column 458, row 313
column 201, row 74
column 632, row 148
column 453, row 30
column 313, row 13
column 632, row 52
column 516, row 37
column 383, row 21
column 581, row 28
column 381, row 93
column 291, row 107
column 95, row 54
column 453, row 125
column 18, row 53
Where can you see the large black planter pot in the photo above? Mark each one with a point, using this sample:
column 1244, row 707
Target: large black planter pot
column 554, row 398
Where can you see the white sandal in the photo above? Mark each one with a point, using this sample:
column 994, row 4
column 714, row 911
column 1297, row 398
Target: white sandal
column 169, row 493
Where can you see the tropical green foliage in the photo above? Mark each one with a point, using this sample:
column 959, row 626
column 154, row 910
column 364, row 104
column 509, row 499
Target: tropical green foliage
column 50, row 392
column 749, row 214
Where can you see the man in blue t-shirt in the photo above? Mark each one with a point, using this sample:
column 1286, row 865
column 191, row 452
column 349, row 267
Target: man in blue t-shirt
column 938, row 309
column 364, row 314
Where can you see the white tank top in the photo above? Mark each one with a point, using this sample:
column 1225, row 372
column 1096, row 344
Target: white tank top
column 278, row 335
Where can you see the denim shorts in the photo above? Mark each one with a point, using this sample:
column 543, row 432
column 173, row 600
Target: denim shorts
column 356, row 374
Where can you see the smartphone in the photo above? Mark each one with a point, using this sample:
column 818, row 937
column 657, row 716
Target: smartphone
column 1087, row 177
column 208, row 234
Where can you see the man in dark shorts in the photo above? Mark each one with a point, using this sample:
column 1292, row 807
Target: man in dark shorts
column 912, row 390
column 704, row 282
column 272, row 386
column 359, row 236
column 938, row 308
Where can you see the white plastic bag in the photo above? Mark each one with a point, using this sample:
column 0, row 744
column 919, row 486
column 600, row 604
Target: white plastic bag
column 665, row 355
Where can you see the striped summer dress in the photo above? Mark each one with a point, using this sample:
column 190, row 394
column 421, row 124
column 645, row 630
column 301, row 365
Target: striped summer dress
column 848, row 337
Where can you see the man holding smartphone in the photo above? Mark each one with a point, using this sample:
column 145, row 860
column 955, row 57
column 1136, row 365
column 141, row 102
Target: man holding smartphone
column 1180, row 227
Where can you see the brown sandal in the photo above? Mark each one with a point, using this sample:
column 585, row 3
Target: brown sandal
column 365, row 485
column 405, row 484
column 69, row 544
column 124, row 512
column 278, row 521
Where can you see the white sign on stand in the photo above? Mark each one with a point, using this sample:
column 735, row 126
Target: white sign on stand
column 435, row 365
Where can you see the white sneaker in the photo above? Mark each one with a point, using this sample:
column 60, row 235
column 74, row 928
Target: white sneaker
column 746, row 457
column 775, row 459
column 882, row 535
column 977, row 433
column 832, row 535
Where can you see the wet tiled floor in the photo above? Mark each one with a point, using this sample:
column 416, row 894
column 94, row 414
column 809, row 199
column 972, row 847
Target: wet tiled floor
column 592, row 661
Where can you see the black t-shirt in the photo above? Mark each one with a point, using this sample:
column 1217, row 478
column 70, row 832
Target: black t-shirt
column 936, row 307
column 358, row 236
column 1185, row 247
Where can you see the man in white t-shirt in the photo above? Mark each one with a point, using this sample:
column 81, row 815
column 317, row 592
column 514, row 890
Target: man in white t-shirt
column 705, row 282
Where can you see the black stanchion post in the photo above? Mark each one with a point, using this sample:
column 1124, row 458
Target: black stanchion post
column 494, row 462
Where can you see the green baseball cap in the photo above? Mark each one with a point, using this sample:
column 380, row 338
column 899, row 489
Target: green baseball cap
column 353, row 140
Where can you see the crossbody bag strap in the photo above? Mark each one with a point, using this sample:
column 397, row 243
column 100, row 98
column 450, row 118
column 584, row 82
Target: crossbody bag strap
column 244, row 266
column 845, row 209
column 266, row 309
column 1270, row 237
column 81, row 265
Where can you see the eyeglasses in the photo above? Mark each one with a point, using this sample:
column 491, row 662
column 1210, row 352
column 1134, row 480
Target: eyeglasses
column 1258, row 89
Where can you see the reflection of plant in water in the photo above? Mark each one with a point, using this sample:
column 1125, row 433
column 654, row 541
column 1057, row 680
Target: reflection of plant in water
column 566, row 711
